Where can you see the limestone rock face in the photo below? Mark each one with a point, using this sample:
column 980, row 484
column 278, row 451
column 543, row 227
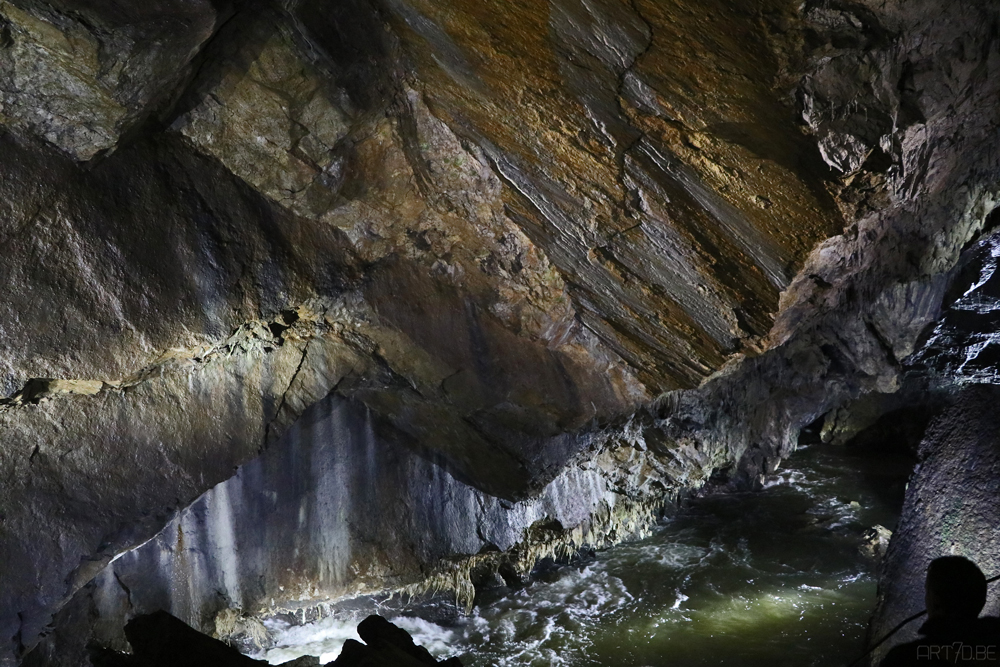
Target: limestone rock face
column 268, row 116
column 647, row 151
column 122, row 419
column 80, row 75
column 565, row 257
column 356, row 511
column 961, row 349
column 950, row 506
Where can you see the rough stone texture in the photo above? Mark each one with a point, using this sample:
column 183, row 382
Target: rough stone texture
column 952, row 507
column 503, row 228
column 268, row 117
column 962, row 347
column 137, row 420
column 82, row 74
column 646, row 151
column 273, row 313
column 876, row 542
column 313, row 493
column 858, row 308
column 951, row 501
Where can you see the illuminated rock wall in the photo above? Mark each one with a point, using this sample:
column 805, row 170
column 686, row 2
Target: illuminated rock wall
column 332, row 510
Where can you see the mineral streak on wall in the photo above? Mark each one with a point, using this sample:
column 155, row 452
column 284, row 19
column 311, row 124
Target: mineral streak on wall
column 332, row 510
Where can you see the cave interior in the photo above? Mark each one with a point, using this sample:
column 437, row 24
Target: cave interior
column 441, row 302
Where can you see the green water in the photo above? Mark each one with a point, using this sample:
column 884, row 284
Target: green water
column 767, row 578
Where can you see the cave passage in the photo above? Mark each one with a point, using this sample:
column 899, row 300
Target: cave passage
column 772, row 577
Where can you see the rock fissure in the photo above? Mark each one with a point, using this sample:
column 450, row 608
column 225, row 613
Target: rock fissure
column 284, row 394
column 622, row 151
column 125, row 589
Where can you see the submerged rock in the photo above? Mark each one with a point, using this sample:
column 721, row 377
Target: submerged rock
column 876, row 541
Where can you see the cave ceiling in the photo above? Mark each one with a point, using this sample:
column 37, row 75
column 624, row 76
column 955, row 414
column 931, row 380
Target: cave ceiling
column 511, row 220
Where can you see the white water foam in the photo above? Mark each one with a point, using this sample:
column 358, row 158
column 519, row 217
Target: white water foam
column 323, row 638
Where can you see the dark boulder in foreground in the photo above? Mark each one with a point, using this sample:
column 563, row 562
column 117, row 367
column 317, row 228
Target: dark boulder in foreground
column 159, row 639
column 386, row 644
column 162, row 640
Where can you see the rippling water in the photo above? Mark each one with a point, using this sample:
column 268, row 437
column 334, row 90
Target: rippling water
column 766, row 578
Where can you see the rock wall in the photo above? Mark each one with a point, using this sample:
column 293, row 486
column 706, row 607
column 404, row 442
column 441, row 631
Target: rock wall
column 114, row 419
column 526, row 238
column 952, row 507
column 951, row 500
column 332, row 510
column 646, row 148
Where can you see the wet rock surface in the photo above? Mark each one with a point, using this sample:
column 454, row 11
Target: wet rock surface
column 876, row 542
column 950, row 503
column 635, row 245
column 314, row 491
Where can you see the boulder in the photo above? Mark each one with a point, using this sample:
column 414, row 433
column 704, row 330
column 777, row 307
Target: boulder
column 386, row 644
column 162, row 640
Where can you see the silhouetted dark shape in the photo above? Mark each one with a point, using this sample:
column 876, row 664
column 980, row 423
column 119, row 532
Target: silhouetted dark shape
column 386, row 645
column 953, row 634
column 161, row 640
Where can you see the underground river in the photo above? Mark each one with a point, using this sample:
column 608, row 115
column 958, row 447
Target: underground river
column 773, row 577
